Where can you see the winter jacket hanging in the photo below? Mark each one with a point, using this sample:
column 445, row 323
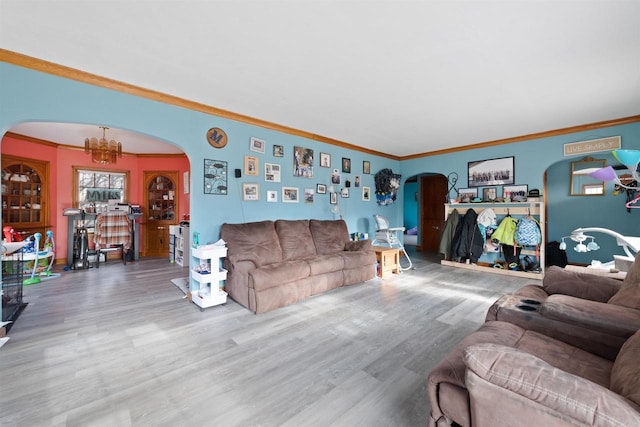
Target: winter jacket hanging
column 468, row 242
column 448, row 232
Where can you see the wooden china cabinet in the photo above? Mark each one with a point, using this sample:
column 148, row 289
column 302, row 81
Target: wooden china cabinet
column 160, row 210
column 25, row 195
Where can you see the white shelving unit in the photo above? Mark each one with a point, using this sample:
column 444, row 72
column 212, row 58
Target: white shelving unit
column 206, row 275
column 179, row 244
column 516, row 209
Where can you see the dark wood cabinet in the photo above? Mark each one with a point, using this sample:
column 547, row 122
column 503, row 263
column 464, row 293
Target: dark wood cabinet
column 25, row 195
column 160, row 210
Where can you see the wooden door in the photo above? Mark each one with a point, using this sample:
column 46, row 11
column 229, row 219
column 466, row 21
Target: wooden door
column 433, row 194
column 159, row 211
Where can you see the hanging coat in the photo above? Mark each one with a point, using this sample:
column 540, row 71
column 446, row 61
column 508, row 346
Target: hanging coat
column 446, row 239
column 468, row 242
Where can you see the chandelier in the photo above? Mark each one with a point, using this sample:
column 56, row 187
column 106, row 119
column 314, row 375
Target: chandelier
column 101, row 150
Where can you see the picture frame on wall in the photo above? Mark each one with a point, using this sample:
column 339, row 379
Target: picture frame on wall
column 466, row 195
column 250, row 191
column 491, row 172
column 257, row 145
column 272, row 172
column 325, row 160
column 333, row 198
column 366, row 167
column 321, row 189
column 272, row 196
column 309, row 195
column 515, row 193
column 366, row 193
column 278, row 151
column 346, row 165
column 290, row 195
column 302, row 162
column 250, row 165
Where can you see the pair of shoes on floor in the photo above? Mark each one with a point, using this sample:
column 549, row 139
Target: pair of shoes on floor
column 529, row 264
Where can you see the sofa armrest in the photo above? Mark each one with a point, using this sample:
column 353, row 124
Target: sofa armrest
column 580, row 285
column 598, row 316
column 357, row 245
column 510, row 387
column 238, row 258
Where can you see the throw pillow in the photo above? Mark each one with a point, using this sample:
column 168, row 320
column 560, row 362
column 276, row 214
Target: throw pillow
column 625, row 375
column 629, row 293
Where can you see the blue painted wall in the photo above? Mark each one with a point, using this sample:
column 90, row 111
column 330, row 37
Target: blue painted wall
column 532, row 159
column 410, row 205
column 27, row 95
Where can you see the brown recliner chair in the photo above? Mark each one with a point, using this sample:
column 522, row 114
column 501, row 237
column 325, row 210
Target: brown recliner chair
column 504, row 375
column 595, row 313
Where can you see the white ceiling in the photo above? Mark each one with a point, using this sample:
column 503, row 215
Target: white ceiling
column 400, row 77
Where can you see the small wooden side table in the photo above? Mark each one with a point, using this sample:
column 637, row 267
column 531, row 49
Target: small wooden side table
column 388, row 260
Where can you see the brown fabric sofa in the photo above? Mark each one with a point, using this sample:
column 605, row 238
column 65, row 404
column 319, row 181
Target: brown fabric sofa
column 271, row 264
column 505, row 375
column 595, row 313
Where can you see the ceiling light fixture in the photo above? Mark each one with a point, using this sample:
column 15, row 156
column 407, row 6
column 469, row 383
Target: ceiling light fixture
column 101, row 150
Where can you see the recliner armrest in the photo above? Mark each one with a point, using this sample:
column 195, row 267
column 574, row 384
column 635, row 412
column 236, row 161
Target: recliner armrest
column 598, row 316
column 510, row 387
column 358, row 245
column 580, row 285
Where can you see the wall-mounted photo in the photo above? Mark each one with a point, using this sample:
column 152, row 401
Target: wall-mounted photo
column 491, row 172
column 309, row 195
column 333, row 198
column 272, row 196
column 278, row 151
column 335, row 177
column 321, row 189
column 325, row 160
column 346, row 165
column 302, row 162
column 250, row 192
column 515, row 193
column 251, row 165
column 290, row 195
column 344, row 193
column 366, row 167
column 366, row 193
column 466, row 195
column 271, row 172
column 257, row 145
column 356, row 181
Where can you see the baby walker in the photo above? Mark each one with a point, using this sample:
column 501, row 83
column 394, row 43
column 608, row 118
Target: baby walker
column 49, row 251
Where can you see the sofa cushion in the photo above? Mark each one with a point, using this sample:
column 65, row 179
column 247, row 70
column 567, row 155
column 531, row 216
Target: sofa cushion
column 277, row 274
column 625, row 375
column 295, row 239
column 501, row 380
column 629, row 293
column 257, row 238
column 322, row 264
column 354, row 259
column 329, row 236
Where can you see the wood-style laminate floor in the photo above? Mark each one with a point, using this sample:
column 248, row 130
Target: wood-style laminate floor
column 119, row 346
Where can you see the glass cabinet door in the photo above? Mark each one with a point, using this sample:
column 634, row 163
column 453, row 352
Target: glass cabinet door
column 24, row 193
column 161, row 203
